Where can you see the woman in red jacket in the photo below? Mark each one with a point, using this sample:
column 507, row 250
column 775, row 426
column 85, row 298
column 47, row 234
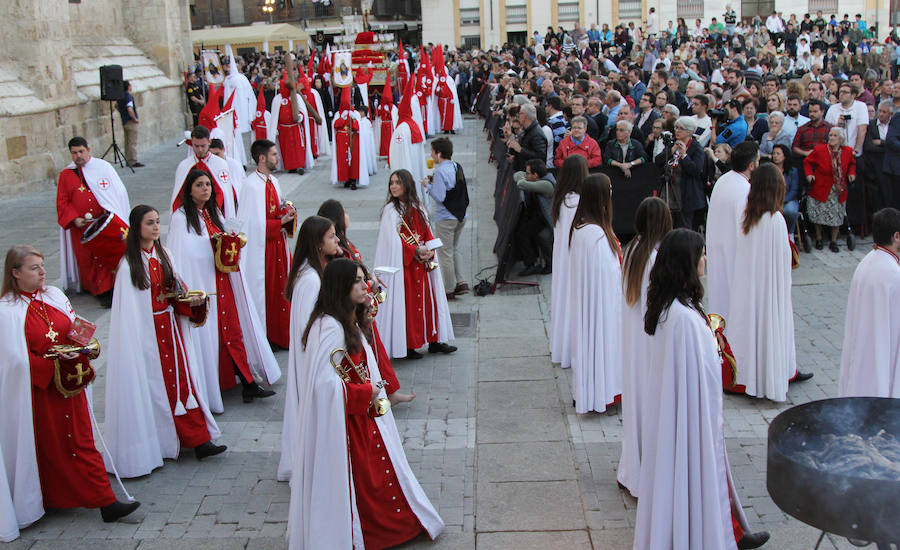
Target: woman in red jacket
column 830, row 167
column 578, row 143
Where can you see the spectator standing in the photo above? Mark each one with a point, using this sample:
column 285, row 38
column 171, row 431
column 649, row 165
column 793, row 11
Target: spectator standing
column 851, row 115
column 448, row 189
column 813, row 132
column 128, row 112
column 829, row 168
column 194, row 92
column 578, row 143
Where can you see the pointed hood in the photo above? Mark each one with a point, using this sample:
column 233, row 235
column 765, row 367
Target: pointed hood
column 345, row 101
column 437, row 58
column 387, row 95
column 260, row 116
column 311, row 66
column 424, row 61
column 282, row 86
column 211, row 110
column 232, row 66
column 404, row 112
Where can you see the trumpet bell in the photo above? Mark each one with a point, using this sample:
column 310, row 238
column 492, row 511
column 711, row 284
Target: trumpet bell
column 716, row 321
column 382, row 406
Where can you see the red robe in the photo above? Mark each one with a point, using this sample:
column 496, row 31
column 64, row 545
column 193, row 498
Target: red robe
column 232, row 354
column 385, row 516
column 291, row 138
column 387, row 128
column 423, row 91
column 70, row 468
column 445, row 103
column 190, row 427
column 73, row 200
column 346, row 148
column 278, row 263
column 421, row 309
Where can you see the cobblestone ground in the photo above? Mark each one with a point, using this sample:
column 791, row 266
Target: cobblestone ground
column 534, row 475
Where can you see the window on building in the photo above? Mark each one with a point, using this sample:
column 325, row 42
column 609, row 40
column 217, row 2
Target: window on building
column 690, row 10
column 762, row 8
column 469, row 16
column 895, row 12
column 630, row 9
column 827, row 6
column 518, row 14
column 471, row 41
column 568, row 12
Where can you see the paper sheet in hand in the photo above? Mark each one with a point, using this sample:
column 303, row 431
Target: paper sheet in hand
column 386, row 270
column 434, row 243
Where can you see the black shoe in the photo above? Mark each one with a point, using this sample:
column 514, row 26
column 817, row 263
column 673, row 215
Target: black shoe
column 208, row 449
column 137, row 165
column 546, row 270
column 118, row 510
column 346, row 185
column 802, row 377
column 413, row 354
column 106, row 299
column 832, row 246
column 453, row 132
column 254, row 391
column 753, row 540
column 353, row 185
column 530, row 270
column 440, row 347
column 819, row 245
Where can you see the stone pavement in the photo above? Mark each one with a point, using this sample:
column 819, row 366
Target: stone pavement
column 533, row 475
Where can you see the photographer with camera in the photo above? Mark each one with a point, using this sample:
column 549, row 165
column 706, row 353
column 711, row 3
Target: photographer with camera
column 734, row 129
column 683, row 163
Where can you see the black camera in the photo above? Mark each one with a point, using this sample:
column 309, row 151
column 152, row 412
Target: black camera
column 846, row 117
column 720, row 115
column 668, row 139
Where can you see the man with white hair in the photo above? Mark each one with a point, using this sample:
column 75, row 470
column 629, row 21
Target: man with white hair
column 613, row 104
column 671, row 113
column 623, row 152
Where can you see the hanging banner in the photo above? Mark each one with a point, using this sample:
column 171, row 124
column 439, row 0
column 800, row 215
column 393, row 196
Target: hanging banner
column 342, row 69
column 212, row 67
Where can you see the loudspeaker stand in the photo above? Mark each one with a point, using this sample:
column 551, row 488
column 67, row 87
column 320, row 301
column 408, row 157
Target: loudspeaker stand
column 118, row 155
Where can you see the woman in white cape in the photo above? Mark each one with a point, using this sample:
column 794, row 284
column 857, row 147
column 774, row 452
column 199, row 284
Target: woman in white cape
column 761, row 327
column 565, row 201
column 652, row 220
column 192, row 252
column 686, row 497
column 150, row 414
column 401, row 332
column 595, row 301
column 316, row 241
column 340, row 500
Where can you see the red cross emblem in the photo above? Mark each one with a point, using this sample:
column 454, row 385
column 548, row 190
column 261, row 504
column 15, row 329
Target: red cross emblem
column 258, row 114
column 285, row 101
column 223, row 176
column 399, row 138
column 103, row 183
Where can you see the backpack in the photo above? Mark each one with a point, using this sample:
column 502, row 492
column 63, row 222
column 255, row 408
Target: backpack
column 456, row 201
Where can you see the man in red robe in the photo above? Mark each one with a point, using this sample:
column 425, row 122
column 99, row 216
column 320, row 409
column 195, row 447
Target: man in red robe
column 291, row 123
column 443, row 92
column 424, row 87
column 260, row 121
column 86, row 189
column 346, row 143
column 386, row 112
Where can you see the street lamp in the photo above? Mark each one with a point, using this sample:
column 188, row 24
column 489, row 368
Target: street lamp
column 268, row 7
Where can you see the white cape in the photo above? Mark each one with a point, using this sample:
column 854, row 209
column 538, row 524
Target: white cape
column 252, row 214
column 417, row 116
column 323, row 504
column 595, row 308
column 683, row 499
column 870, row 360
column 367, row 133
column 21, row 501
column 322, row 129
column 303, row 299
column 761, row 324
column 104, row 182
column 391, row 316
column 560, row 321
column 139, row 428
column 363, row 152
column 220, row 171
column 193, row 255
column 404, row 154
column 723, row 225
column 635, row 371
column 278, row 103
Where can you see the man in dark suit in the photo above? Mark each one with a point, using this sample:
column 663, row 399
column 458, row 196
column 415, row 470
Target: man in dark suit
column 891, row 168
column 872, row 160
column 646, row 114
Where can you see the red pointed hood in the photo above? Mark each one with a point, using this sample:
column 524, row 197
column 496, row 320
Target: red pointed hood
column 259, row 118
column 345, row 101
column 437, row 58
column 387, row 95
column 404, row 112
column 424, row 61
column 211, row 110
column 311, row 66
column 282, row 86
column 401, row 53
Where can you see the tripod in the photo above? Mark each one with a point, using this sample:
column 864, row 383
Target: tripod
column 118, row 155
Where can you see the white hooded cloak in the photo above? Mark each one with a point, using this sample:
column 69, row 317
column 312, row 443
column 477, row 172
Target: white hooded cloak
column 560, row 321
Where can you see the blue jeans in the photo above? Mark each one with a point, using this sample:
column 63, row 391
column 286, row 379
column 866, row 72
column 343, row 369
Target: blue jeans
column 791, row 211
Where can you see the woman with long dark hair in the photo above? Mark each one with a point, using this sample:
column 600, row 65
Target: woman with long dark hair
column 565, row 201
column 653, row 221
column 49, row 455
column 685, row 499
column 152, row 406
column 333, row 210
column 232, row 344
column 595, row 301
column 316, row 244
column 781, row 157
column 415, row 312
column 761, row 309
column 351, row 484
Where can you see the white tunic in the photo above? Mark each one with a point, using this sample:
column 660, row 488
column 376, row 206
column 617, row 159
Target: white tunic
column 761, row 324
column 560, row 321
column 323, row 512
column 391, row 316
column 303, row 299
column 140, row 429
column 723, row 225
column 635, row 371
column 870, row 360
column 683, row 498
column 404, row 154
column 595, row 308
column 104, row 182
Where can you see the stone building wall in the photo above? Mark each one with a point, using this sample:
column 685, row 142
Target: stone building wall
column 49, row 79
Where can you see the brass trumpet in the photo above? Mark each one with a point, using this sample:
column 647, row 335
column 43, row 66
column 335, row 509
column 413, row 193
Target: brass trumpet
column 382, row 404
column 288, row 206
column 92, row 350
column 182, row 296
column 413, row 239
column 375, row 299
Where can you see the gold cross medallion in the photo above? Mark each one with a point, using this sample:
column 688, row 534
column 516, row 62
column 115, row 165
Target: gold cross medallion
column 231, row 252
column 79, row 374
column 51, row 335
column 82, row 188
column 272, row 208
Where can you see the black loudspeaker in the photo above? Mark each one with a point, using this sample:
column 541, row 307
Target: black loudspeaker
column 112, row 86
